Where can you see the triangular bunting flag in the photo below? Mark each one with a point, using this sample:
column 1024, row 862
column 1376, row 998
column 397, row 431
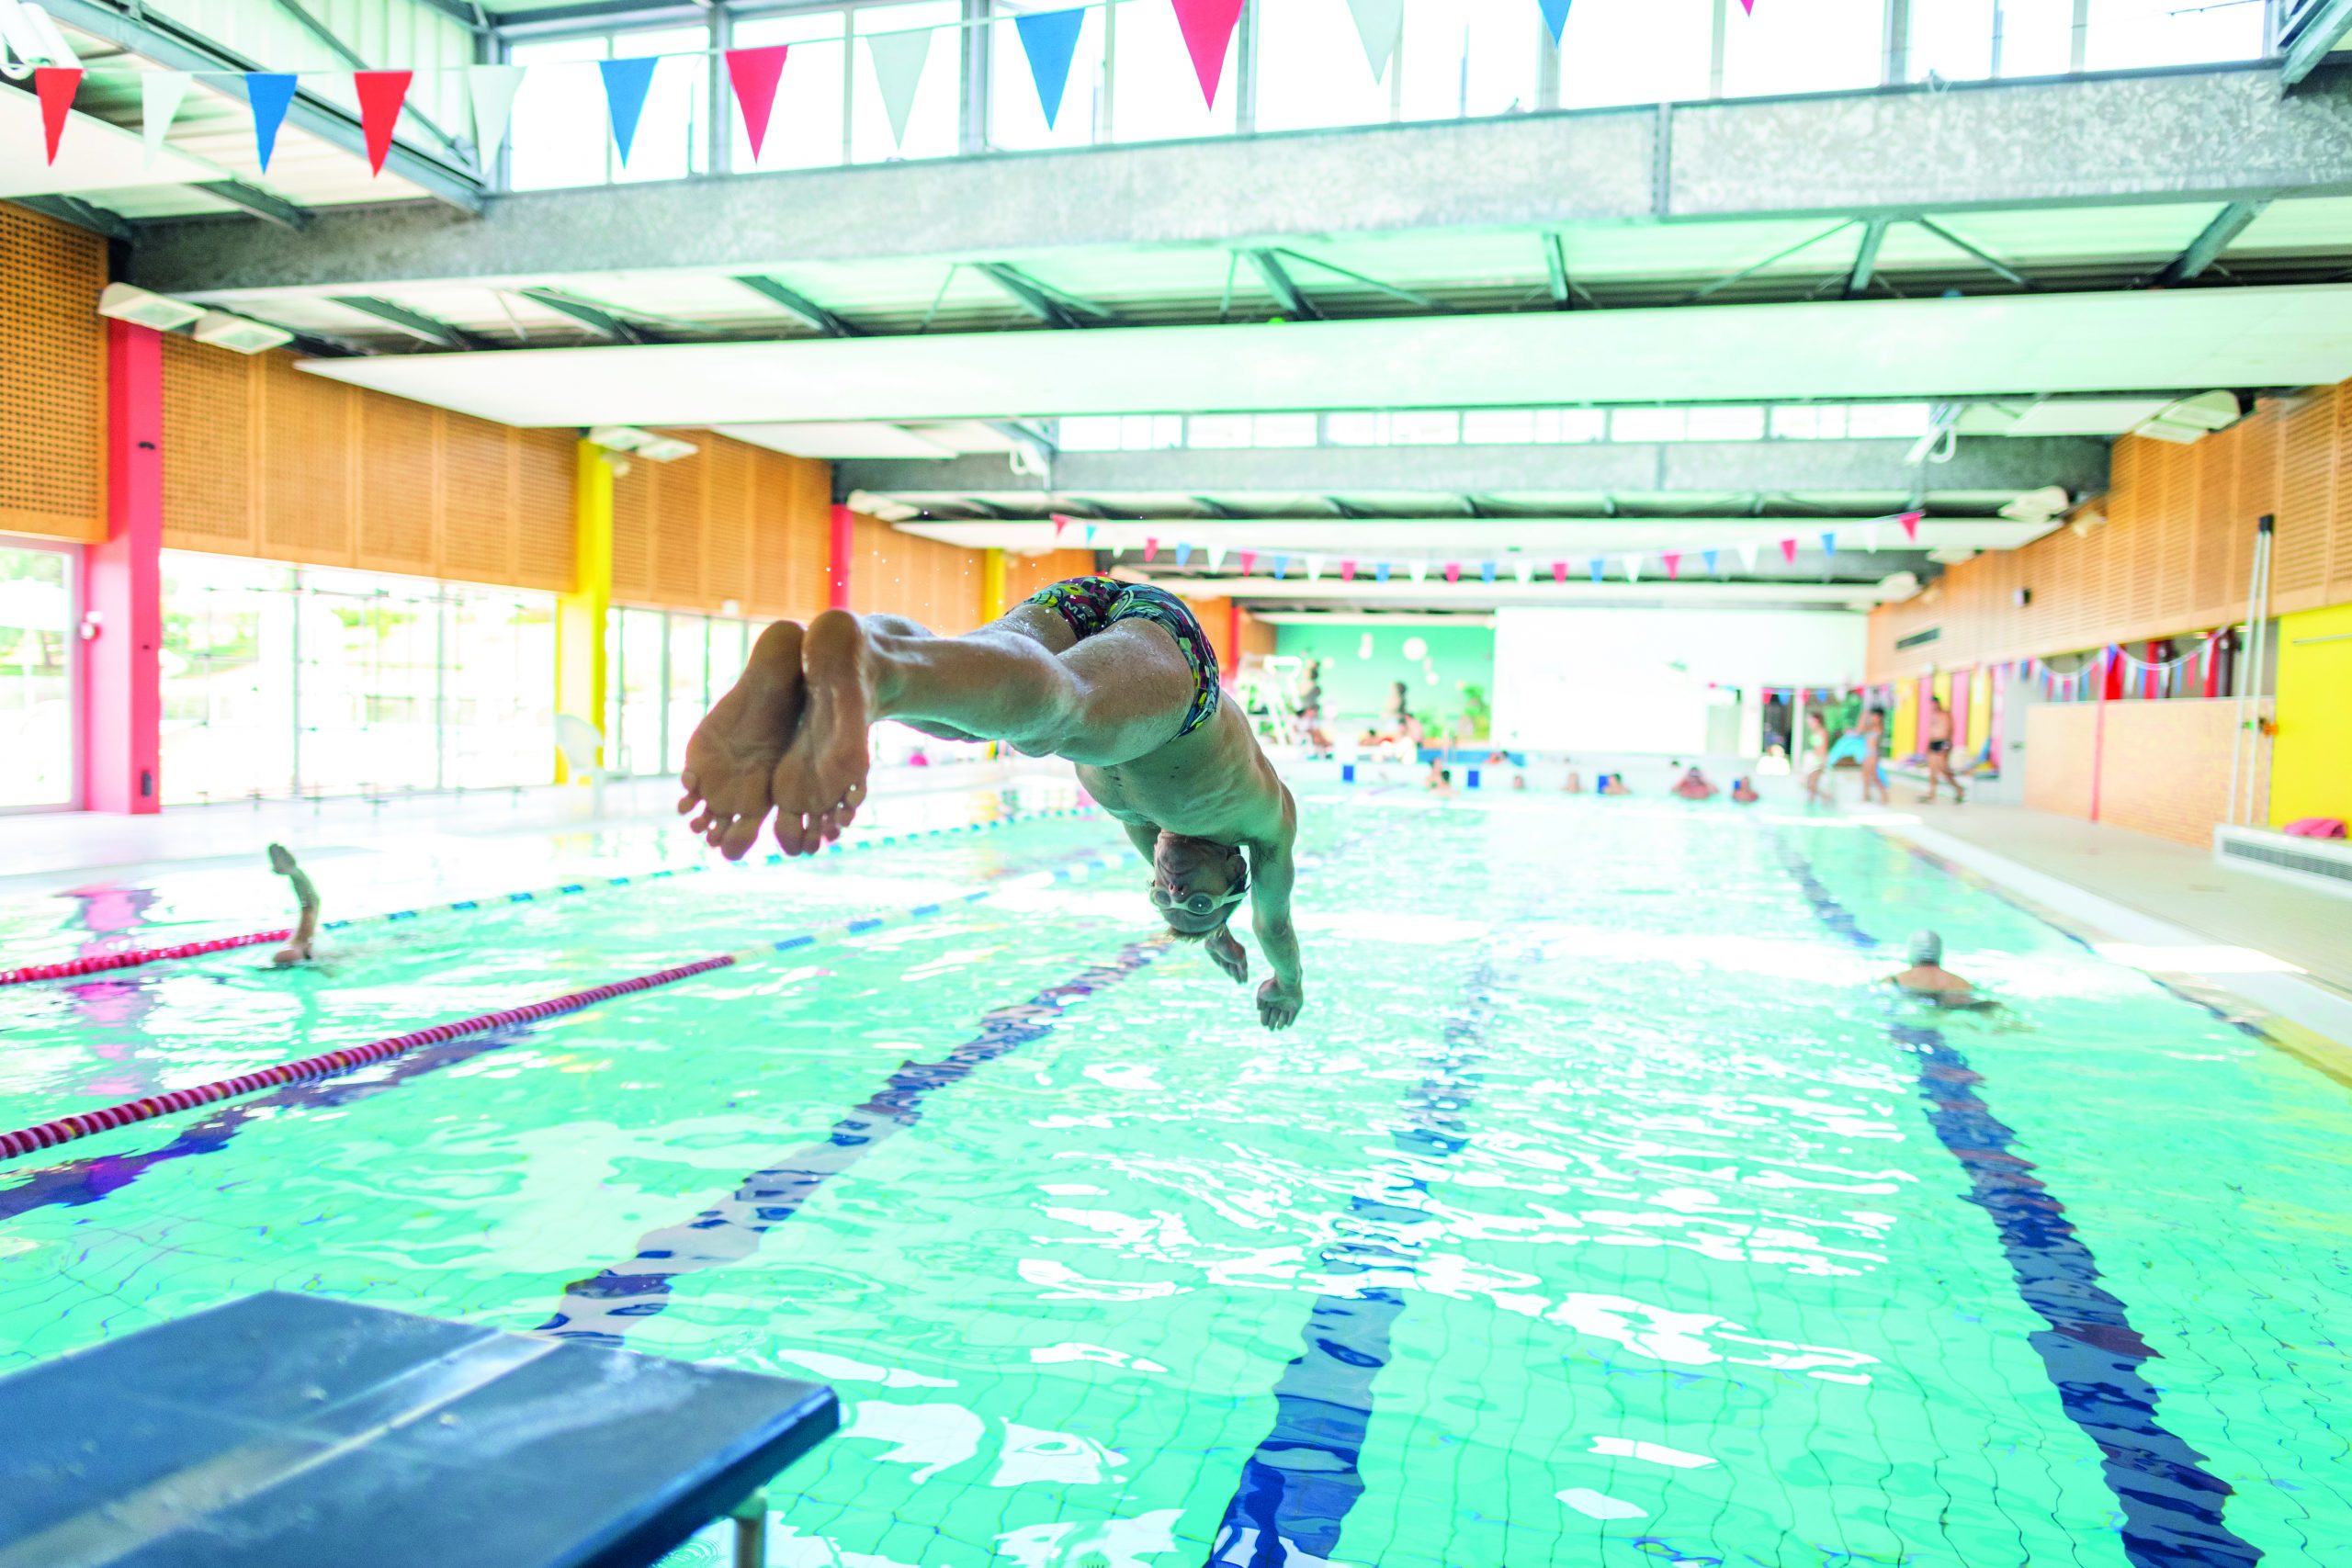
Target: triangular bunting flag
column 1910, row 521
column 1090, row 532
column 160, row 94
column 1596, row 565
column 1633, row 566
column 1049, row 38
column 268, row 93
column 1748, row 7
column 1526, row 569
column 1347, row 571
column 1282, row 567
column 1748, row 558
column 754, row 73
column 626, row 85
column 1419, row 568
column 1249, row 563
column 1712, row 557
column 1183, row 553
column 1207, row 27
column 1555, row 17
column 1380, row 571
column 1789, row 551
column 489, row 92
column 1314, row 568
column 1485, row 571
column 1217, row 557
column 1870, row 537
column 1150, row 549
column 1673, row 559
column 380, row 94
column 56, row 85
column 1829, row 544
column 1381, row 25
column 1560, row 573
column 1454, row 572
column 898, row 59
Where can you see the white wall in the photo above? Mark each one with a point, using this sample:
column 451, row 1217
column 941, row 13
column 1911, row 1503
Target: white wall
column 1597, row 680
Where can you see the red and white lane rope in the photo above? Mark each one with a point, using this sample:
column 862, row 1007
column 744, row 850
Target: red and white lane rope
column 83, row 1124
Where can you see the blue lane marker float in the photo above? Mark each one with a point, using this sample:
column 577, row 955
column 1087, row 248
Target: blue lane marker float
column 2172, row 1506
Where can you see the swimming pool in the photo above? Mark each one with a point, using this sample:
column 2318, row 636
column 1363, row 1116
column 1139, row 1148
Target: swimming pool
column 1599, row 1211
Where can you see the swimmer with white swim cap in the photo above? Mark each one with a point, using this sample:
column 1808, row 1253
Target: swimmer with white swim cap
column 1927, row 978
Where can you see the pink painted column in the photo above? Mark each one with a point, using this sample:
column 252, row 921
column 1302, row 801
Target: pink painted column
column 844, row 544
column 121, row 688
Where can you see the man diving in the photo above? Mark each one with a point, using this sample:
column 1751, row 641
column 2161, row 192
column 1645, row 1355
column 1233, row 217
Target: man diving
column 1116, row 677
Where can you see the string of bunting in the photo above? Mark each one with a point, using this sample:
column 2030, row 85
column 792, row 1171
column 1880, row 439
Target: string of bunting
column 1048, row 41
column 1631, row 563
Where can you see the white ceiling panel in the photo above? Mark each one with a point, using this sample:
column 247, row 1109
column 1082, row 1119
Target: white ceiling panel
column 837, row 440
column 91, row 155
column 2084, row 416
column 1898, row 348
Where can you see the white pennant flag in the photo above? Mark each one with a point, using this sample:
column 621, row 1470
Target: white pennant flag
column 898, row 59
column 1419, row 569
column 490, row 91
column 1633, row 566
column 1870, row 537
column 1747, row 557
column 1381, row 25
column 1526, row 572
column 1217, row 557
column 1314, row 568
column 160, row 93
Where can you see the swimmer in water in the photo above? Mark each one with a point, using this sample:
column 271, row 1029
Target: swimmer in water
column 1928, row 980
column 1744, row 792
column 1116, row 677
column 306, row 928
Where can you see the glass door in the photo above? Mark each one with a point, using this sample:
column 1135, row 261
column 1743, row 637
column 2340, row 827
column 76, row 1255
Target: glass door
column 37, row 747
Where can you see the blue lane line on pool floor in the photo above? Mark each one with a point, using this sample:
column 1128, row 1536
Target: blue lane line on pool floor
column 1296, row 1489
column 2172, row 1506
column 602, row 1308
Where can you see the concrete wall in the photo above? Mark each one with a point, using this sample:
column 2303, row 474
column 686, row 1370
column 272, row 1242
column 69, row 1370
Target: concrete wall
column 2314, row 759
column 2161, row 768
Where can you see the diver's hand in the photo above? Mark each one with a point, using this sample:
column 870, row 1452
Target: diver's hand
column 1279, row 1003
column 1230, row 956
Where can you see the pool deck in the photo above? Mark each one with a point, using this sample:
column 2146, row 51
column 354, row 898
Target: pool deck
column 2170, row 910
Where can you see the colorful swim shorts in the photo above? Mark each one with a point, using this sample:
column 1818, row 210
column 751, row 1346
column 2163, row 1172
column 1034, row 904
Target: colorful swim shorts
column 1091, row 605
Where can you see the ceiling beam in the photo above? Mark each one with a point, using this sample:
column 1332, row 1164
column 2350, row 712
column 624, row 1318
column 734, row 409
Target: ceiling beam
column 2322, row 27
column 1555, row 270
column 1279, row 283
column 1956, row 242
column 1744, row 274
column 81, row 214
column 799, row 304
column 596, row 318
column 175, row 47
column 1054, row 306
column 1394, row 291
column 353, row 58
column 430, row 328
column 2207, row 248
column 1857, row 282
column 262, row 204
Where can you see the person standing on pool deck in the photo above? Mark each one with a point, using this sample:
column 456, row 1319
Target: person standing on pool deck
column 1860, row 746
column 306, row 928
column 1117, row 678
column 1940, row 753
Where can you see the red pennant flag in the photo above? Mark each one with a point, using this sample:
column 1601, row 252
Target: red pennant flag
column 1208, row 25
column 1673, row 564
column 1559, row 571
column 1249, row 560
column 1910, row 521
column 1789, row 551
column 753, row 73
column 1150, row 549
column 56, row 85
column 1060, row 523
column 380, row 94
column 1347, row 571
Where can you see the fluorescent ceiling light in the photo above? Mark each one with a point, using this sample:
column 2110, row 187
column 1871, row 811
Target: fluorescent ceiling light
column 124, row 302
column 237, row 334
column 644, row 443
column 2191, row 420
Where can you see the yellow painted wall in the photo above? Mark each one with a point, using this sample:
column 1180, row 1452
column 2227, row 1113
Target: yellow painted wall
column 1904, row 738
column 1980, row 711
column 2310, row 772
column 580, row 651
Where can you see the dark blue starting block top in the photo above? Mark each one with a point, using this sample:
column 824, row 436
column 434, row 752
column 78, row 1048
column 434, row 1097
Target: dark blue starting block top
column 293, row 1431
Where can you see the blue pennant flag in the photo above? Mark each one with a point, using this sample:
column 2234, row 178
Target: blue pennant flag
column 1282, row 567
column 1829, row 544
column 1485, row 571
column 1710, row 555
column 1183, row 553
column 626, row 82
column 268, row 93
column 1380, row 571
column 1049, row 38
column 1555, row 17
column 1596, row 569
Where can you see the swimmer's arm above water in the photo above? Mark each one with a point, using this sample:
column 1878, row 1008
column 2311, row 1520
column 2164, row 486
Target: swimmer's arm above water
column 306, row 926
column 1272, row 874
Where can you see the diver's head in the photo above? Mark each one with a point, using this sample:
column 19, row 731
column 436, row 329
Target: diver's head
column 281, row 859
column 1927, row 947
column 1196, row 884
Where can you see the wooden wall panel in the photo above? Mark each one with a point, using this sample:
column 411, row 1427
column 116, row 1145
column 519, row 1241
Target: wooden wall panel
column 633, row 537
column 732, row 524
column 2172, row 557
column 680, row 492
column 53, row 379
column 728, row 500
column 261, row 460
column 1024, row 575
column 935, row 585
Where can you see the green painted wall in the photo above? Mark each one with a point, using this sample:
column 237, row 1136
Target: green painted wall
column 1356, row 689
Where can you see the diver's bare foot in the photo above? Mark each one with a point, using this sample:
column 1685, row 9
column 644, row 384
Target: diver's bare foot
column 1228, row 954
column 820, row 780
column 735, row 749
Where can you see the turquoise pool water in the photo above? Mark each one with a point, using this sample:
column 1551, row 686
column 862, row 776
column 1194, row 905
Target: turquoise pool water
column 1599, row 1211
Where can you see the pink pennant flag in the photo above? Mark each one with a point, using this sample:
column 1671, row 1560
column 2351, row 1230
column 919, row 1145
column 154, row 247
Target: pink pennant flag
column 1910, row 521
column 754, row 73
column 1208, row 25
column 1150, row 548
column 1673, row 559
column 1748, row 7
column 1347, row 571
column 1560, row 571
column 56, row 85
column 380, row 94
column 1249, row 560
column 1060, row 523
column 1454, row 572
column 1789, row 551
